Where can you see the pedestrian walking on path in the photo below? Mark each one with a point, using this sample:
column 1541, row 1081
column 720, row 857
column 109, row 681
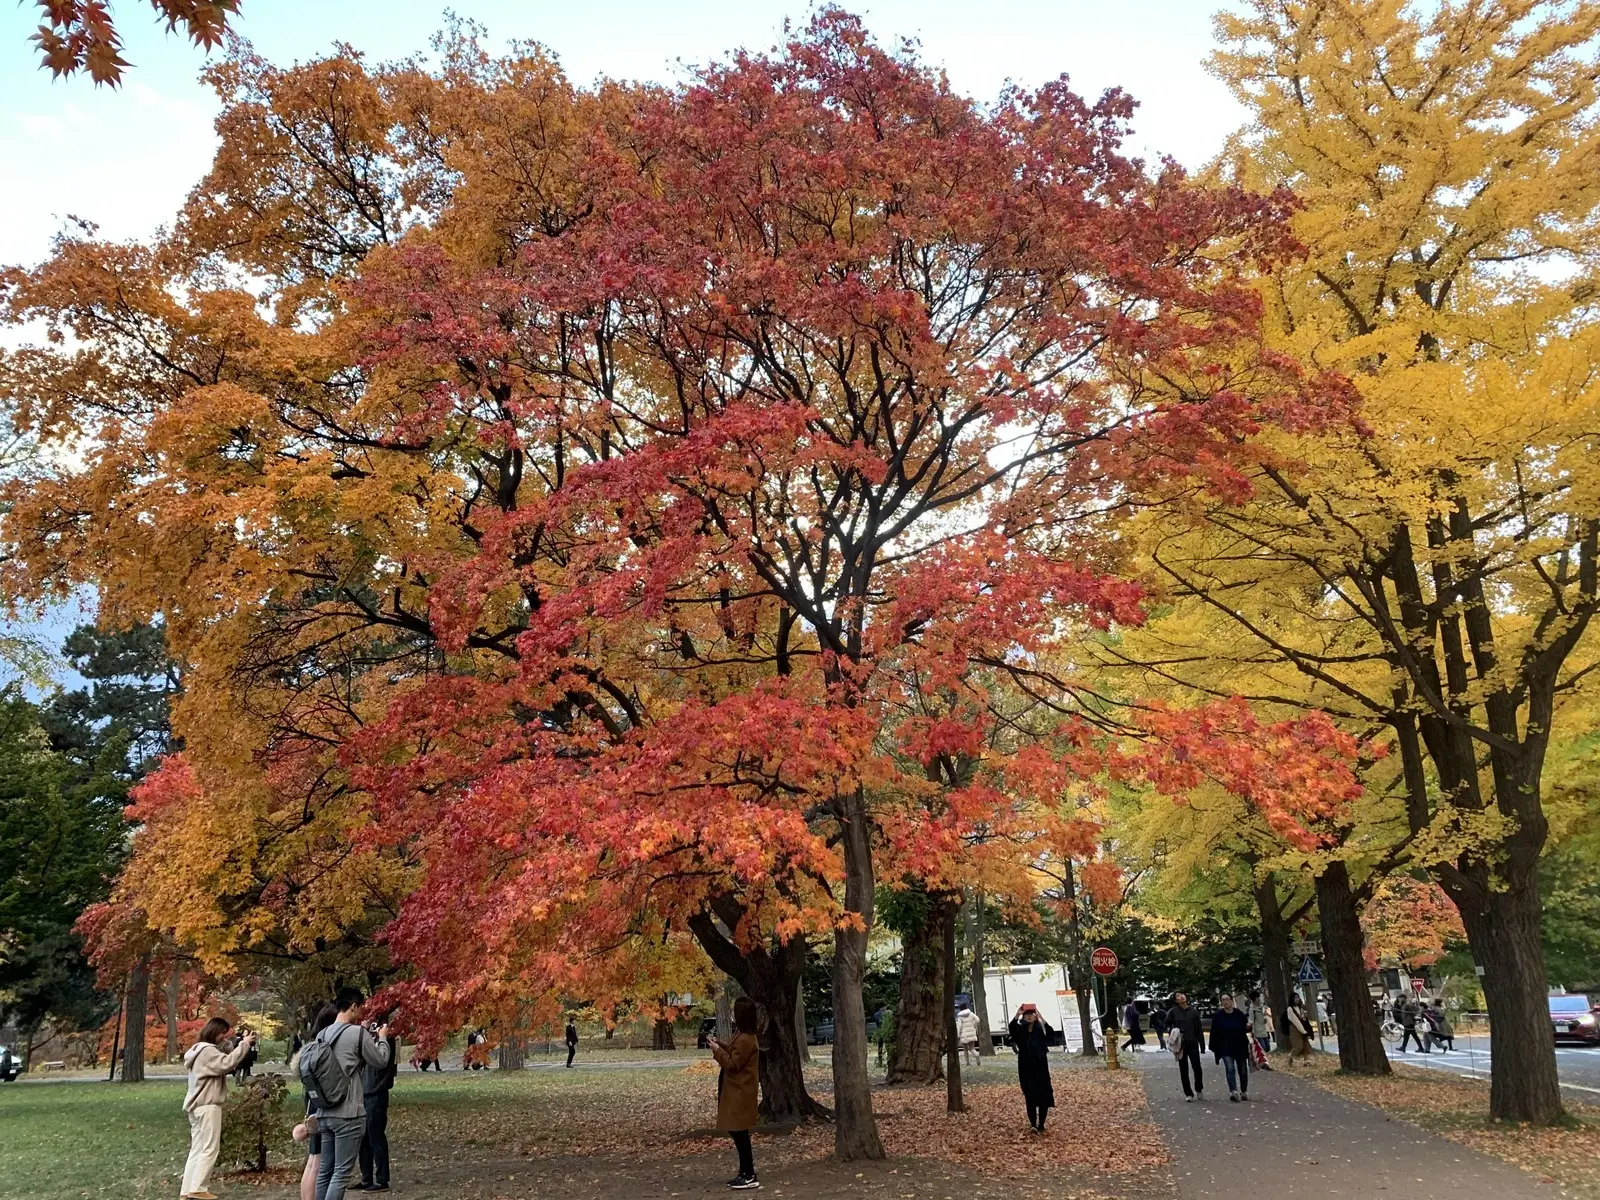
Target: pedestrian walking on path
column 1440, row 1031
column 737, row 1087
column 1410, row 1015
column 1260, row 1031
column 208, row 1068
column 1230, row 1046
column 1030, row 1040
column 1186, row 1039
column 1158, row 1024
column 572, row 1040
column 1299, row 1029
column 1130, row 1018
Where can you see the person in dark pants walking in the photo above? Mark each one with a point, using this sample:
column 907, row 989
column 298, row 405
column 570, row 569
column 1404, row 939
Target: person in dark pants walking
column 1158, row 1024
column 375, row 1085
column 1183, row 1022
column 1230, row 1046
column 572, row 1040
column 1409, row 1013
column 1030, row 1039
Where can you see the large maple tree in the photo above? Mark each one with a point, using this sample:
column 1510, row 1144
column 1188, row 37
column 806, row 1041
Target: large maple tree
column 562, row 527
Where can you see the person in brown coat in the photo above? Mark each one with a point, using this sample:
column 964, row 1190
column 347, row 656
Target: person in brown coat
column 737, row 1088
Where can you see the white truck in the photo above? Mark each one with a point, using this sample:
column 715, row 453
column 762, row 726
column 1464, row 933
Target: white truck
column 1047, row 985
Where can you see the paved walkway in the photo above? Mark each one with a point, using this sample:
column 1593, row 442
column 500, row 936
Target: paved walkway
column 1293, row 1139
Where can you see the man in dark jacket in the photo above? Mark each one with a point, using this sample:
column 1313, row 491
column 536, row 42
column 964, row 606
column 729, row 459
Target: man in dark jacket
column 375, row 1085
column 1184, row 1021
column 1230, row 1045
column 572, row 1039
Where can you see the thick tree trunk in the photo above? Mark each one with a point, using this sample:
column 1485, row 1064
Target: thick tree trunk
column 953, row 1100
column 174, row 985
column 976, row 983
column 769, row 975
column 1275, row 956
column 855, row 1131
column 1078, row 955
column 1360, row 1043
column 919, row 1015
column 138, row 1008
column 513, row 1052
column 1503, row 931
column 661, row 1035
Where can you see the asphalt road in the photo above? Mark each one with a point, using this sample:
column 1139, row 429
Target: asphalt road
column 1578, row 1066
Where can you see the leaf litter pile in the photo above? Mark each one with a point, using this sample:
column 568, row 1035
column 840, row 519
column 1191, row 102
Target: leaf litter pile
column 1457, row 1108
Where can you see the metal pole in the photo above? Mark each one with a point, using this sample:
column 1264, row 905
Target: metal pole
column 116, row 1036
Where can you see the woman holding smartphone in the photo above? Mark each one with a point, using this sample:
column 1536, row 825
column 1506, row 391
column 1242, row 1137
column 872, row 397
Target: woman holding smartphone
column 737, row 1088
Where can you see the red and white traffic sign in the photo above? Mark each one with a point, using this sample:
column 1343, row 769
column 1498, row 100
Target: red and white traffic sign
column 1417, row 985
column 1103, row 960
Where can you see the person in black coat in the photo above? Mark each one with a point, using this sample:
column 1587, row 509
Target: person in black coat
column 376, row 1083
column 1030, row 1040
column 1230, row 1046
column 572, row 1039
column 1183, row 1019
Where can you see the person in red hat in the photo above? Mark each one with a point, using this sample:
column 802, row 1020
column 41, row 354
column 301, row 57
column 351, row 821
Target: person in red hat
column 1030, row 1041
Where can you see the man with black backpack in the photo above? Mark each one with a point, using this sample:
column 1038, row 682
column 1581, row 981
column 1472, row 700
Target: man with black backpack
column 331, row 1067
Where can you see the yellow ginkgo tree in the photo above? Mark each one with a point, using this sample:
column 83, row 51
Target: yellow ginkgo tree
column 1429, row 577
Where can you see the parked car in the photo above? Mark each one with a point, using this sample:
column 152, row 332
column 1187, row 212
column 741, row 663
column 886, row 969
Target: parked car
column 1576, row 1017
column 10, row 1065
column 822, row 1031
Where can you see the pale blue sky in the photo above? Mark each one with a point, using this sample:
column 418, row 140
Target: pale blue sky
column 125, row 159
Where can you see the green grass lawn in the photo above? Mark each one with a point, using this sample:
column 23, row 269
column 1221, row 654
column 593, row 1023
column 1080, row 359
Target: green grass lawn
column 65, row 1141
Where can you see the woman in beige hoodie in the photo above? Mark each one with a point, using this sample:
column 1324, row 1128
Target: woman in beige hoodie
column 208, row 1066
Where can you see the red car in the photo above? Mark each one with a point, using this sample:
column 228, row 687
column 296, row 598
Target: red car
column 1575, row 1017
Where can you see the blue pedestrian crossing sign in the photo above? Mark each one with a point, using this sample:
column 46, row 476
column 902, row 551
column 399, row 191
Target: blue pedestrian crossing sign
column 1309, row 971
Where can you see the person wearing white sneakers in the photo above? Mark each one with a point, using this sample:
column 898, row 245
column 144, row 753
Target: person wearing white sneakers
column 209, row 1066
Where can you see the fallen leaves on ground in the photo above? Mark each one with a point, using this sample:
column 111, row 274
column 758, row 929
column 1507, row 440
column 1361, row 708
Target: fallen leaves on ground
column 1457, row 1108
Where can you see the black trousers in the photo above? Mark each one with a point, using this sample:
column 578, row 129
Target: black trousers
column 572, row 1048
column 1191, row 1057
column 1411, row 1032
column 741, row 1143
column 375, row 1141
column 1036, row 1114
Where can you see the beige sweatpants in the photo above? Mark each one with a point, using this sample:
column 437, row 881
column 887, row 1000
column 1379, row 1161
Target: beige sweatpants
column 205, row 1140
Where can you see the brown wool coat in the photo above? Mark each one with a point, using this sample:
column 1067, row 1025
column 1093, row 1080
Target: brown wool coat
column 737, row 1092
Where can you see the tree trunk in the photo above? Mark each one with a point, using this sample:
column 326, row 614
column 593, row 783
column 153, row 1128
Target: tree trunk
column 801, row 1034
column 980, row 997
column 1275, row 956
column 1503, row 931
column 1079, row 957
column 952, row 1068
column 513, row 1052
column 1360, row 1043
column 919, row 1017
column 725, row 1010
column 138, row 1008
column 769, row 975
column 174, row 984
column 661, row 1035
column 855, row 1131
